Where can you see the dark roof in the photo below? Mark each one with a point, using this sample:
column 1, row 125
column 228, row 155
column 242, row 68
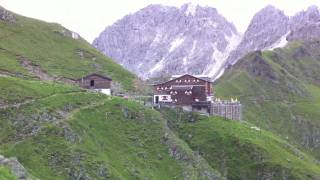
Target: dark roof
column 202, row 78
column 95, row 74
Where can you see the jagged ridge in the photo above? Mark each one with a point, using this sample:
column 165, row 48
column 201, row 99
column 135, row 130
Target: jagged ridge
column 161, row 41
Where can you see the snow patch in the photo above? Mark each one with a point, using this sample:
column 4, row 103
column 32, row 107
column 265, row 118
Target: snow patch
column 219, row 74
column 159, row 66
column 218, row 58
column 190, row 55
column 191, row 9
column 175, row 43
column 157, row 39
column 280, row 43
column 184, row 61
column 210, row 23
column 194, row 45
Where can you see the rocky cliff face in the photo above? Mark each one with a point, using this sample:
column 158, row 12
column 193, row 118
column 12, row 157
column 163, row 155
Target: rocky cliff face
column 271, row 28
column 265, row 30
column 167, row 40
column 160, row 40
column 305, row 25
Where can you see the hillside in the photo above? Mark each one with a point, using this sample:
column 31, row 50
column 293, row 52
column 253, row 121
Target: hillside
column 241, row 150
column 48, row 51
column 280, row 91
column 72, row 134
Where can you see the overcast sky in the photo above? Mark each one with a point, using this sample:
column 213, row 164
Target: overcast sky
column 90, row 17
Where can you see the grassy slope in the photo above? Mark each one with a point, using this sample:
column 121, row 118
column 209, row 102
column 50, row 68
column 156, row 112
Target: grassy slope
column 13, row 90
column 65, row 133
column 70, row 134
column 5, row 174
column 280, row 91
column 239, row 151
column 51, row 47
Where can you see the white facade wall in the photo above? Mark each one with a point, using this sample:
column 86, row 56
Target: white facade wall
column 162, row 98
column 104, row 91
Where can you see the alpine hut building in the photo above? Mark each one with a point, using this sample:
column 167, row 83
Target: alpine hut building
column 96, row 82
column 187, row 91
column 195, row 93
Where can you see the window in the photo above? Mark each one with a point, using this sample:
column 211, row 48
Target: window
column 173, row 92
column 92, row 83
column 188, row 92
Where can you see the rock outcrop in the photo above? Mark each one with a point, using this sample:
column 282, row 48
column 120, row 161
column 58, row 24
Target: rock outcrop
column 17, row 169
column 6, row 15
column 305, row 25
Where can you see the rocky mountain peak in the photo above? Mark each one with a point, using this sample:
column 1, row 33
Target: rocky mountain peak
column 268, row 16
column 305, row 25
column 266, row 30
column 311, row 15
column 269, row 8
column 160, row 40
column 270, row 28
column 155, row 8
column 189, row 9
